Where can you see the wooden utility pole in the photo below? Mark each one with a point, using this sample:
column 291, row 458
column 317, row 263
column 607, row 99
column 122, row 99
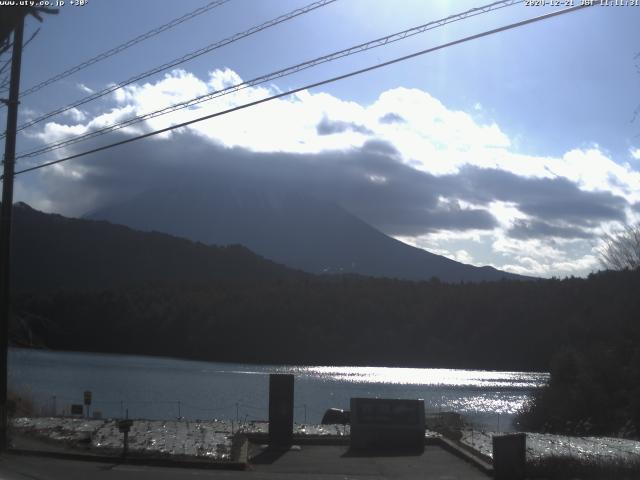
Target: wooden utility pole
column 5, row 224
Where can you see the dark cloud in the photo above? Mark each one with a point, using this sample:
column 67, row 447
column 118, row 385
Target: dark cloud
column 392, row 117
column 329, row 127
column 370, row 182
column 525, row 230
column 444, row 217
column 544, row 198
column 379, row 146
column 456, row 218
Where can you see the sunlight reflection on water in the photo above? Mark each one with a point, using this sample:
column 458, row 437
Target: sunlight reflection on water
column 427, row 376
column 481, row 395
column 499, row 404
column 159, row 388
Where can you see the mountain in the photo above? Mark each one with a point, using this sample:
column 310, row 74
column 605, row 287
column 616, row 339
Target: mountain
column 288, row 227
column 52, row 251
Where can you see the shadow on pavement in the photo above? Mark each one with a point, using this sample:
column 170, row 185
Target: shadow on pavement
column 269, row 455
column 384, row 452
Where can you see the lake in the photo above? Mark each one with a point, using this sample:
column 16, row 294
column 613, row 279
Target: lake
column 164, row 388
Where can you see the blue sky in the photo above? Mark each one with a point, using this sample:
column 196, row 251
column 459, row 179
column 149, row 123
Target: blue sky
column 541, row 115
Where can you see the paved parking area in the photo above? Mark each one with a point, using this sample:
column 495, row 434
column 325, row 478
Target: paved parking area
column 307, row 462
column 340, row 462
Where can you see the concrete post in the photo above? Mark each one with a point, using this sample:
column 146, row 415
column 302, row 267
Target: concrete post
column 280, row 410
column 509, row 456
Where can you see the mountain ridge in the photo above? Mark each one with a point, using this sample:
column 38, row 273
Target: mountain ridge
column 287, row 227
column 53, row 251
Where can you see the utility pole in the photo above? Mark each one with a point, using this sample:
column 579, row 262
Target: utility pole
column 5, row 223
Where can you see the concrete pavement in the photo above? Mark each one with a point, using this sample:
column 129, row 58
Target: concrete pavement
column 316, row 462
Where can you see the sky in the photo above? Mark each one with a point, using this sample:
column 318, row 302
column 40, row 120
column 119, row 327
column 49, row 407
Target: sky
column 518, row 150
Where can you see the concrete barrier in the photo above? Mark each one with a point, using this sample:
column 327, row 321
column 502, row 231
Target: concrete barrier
column 380, row 423
column 509, row 456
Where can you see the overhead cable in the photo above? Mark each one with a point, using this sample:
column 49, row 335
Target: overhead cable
column 185, row 58
column 379, row 42
column 309, row 86
column 124, row 46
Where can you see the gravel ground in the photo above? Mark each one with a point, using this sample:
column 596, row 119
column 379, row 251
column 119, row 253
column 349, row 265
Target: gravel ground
column 212, row 438
column 540, row 445
column 204, row 439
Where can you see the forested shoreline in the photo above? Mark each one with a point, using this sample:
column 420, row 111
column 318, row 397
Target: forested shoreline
column 586, row 331
column 344, row 319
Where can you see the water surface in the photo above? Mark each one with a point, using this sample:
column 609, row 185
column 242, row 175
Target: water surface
column 163, row 388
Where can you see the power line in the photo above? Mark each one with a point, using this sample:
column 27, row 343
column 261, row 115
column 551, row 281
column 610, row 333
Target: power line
column 124, row 46
column 4, row 83
column 183, row 59
column 379, row 42
column 312, row 85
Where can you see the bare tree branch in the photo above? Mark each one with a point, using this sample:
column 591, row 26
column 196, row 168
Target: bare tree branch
column 622, row 251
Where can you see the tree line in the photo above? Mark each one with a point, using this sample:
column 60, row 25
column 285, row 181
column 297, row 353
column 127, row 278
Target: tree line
column 585, row 331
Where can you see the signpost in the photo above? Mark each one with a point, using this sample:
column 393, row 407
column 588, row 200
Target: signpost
column 125, row 426
column 87, row 400
column 77, row 409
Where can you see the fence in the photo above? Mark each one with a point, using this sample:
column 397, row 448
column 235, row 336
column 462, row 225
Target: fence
column 170, row 410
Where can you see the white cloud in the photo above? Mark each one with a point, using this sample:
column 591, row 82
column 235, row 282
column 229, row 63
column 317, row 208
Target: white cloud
column 428, row 135
column 506, row 213
column 53, row 132
column 463, row 256
column 580, row 266
column 221, row 79
column 84, row 88
column 75, row 114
